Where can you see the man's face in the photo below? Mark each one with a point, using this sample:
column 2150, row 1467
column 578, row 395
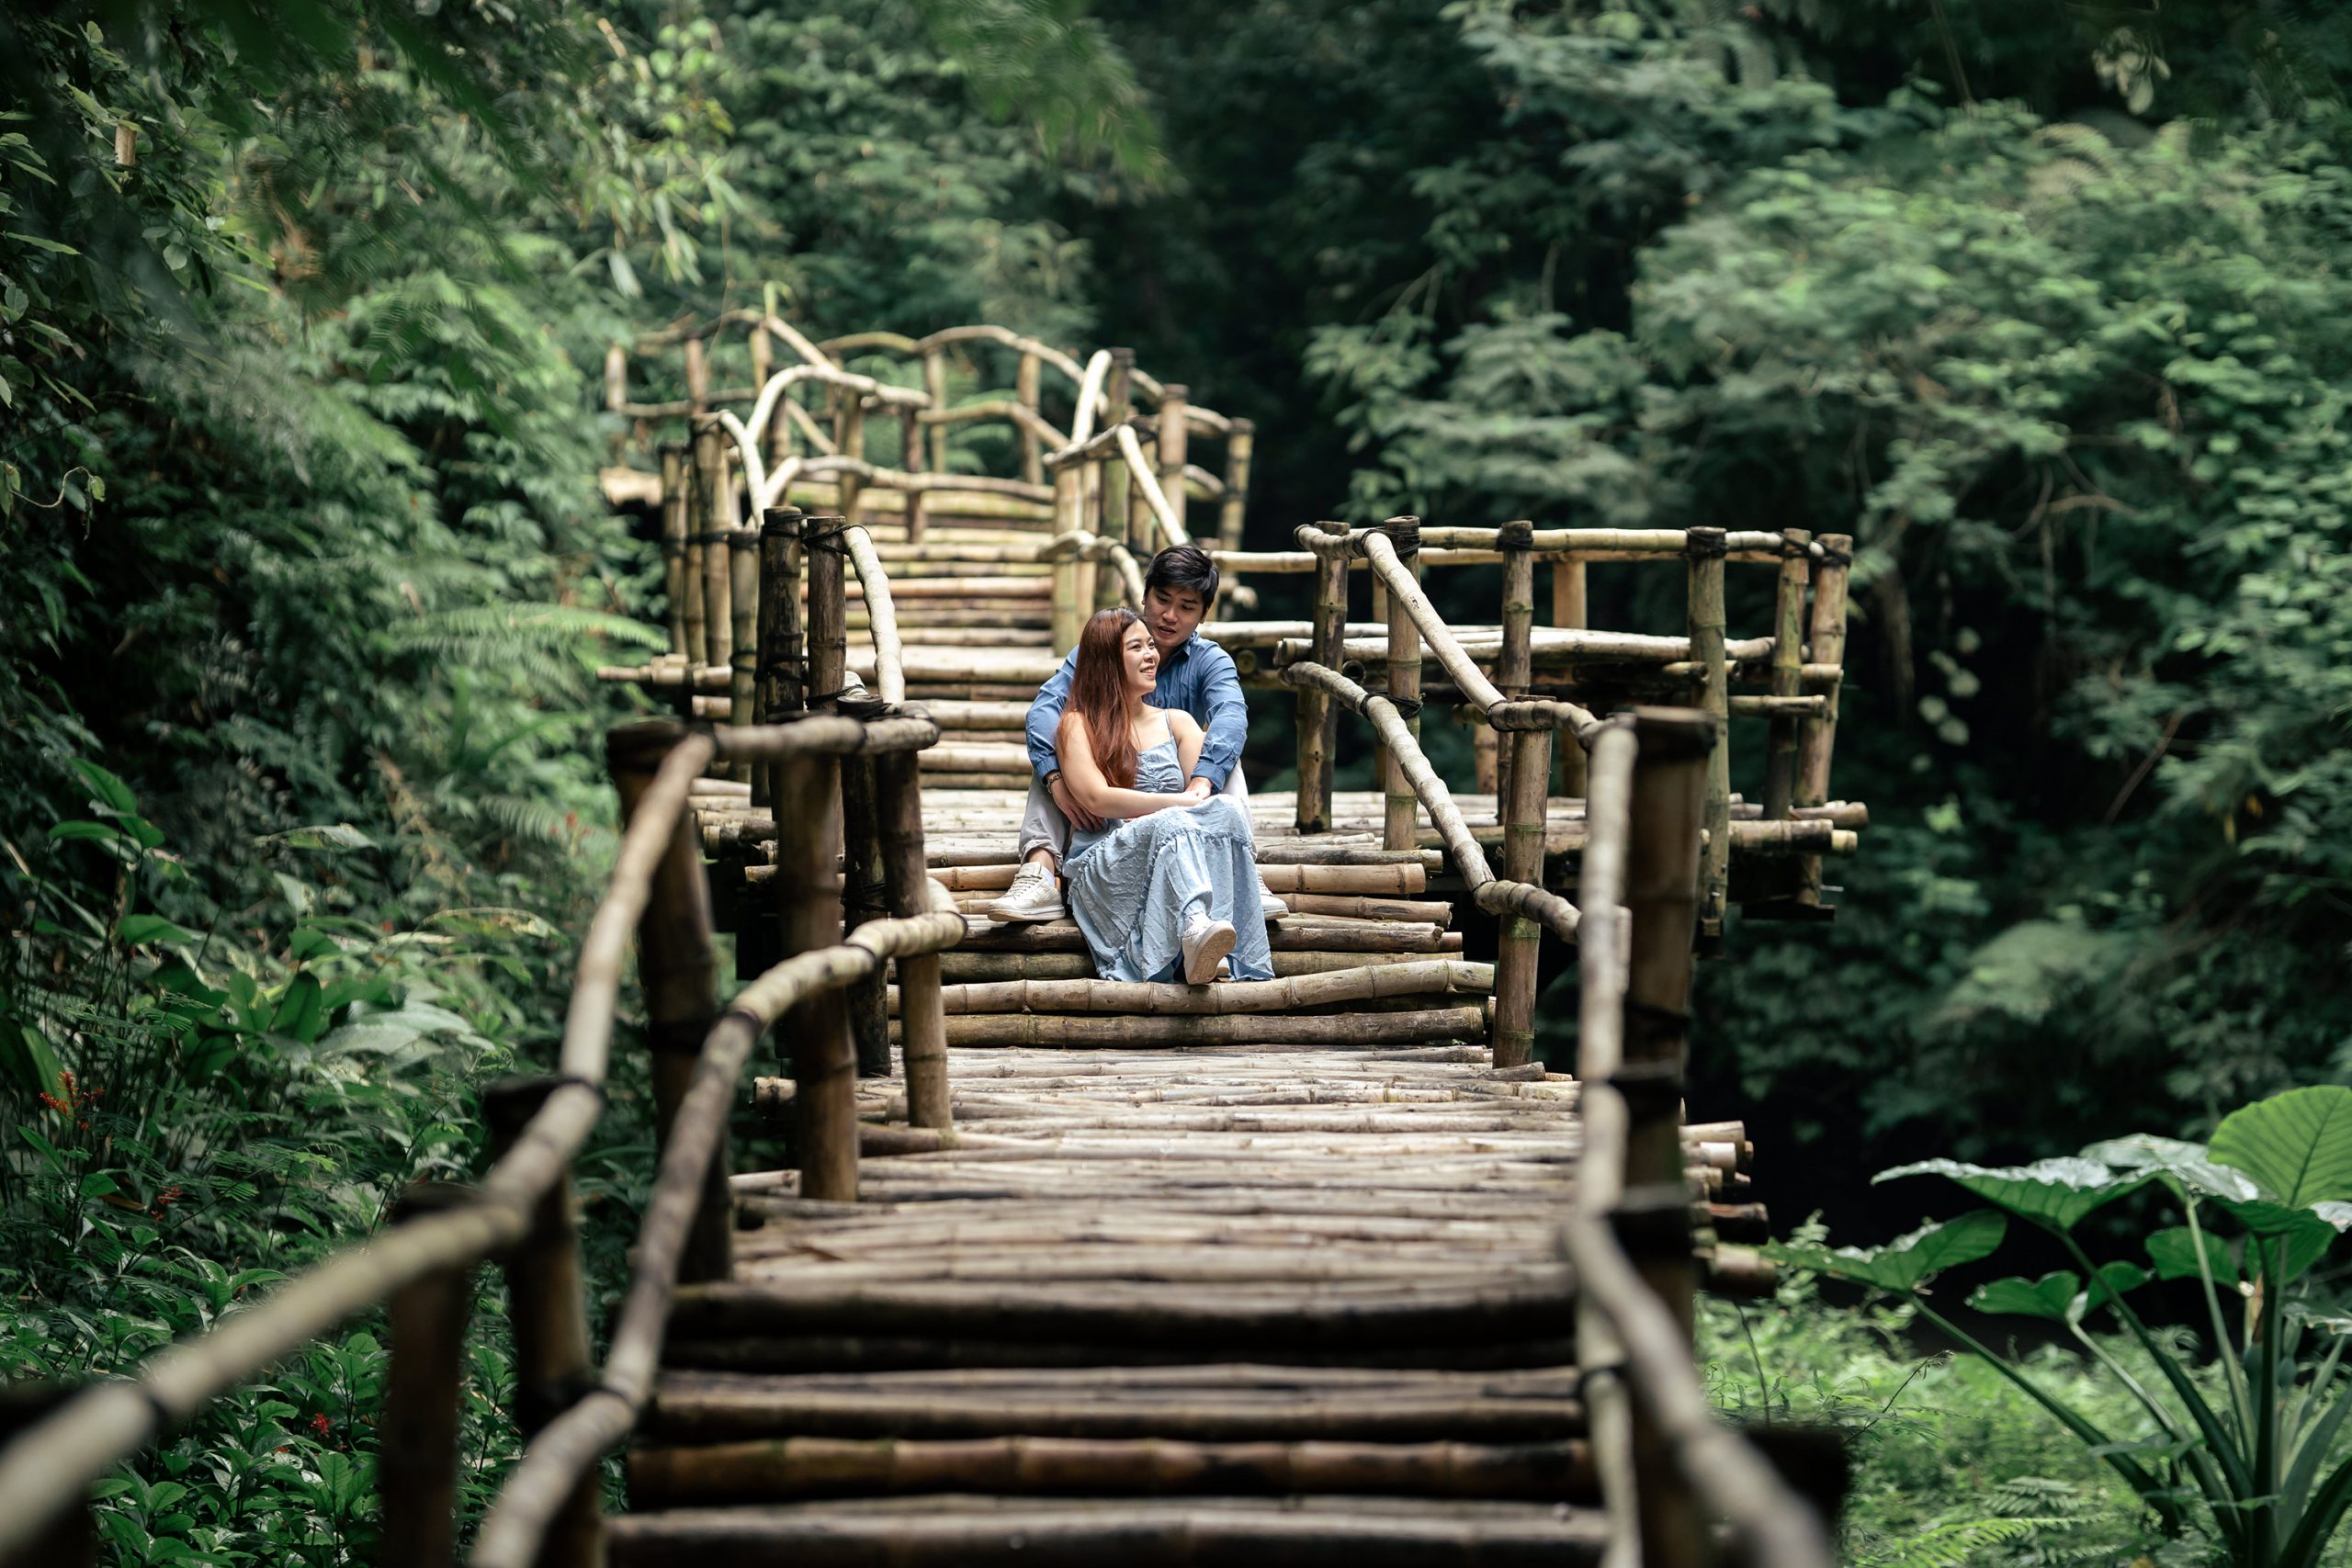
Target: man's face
column 1173, row 615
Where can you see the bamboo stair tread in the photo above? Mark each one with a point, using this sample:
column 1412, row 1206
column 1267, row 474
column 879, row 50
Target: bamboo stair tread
column 957, row 1531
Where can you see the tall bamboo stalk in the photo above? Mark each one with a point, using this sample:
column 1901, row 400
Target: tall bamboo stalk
column 1400, row 812
column 548, row 1312
column 1817, row 737
column 714, row 521
column 1704, row 617
column 1319, row 719
column 1173, row 401
column 678, row 966
column 674, row 549
column 898, row 796
column 1570, row 611
column 416, row 1464
column 1788, row 671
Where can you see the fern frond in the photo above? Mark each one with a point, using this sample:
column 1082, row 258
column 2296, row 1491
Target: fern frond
column 1957, row 1544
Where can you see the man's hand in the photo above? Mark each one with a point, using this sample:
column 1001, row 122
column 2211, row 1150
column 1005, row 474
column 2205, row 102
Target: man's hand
column 1198, row 791
column 1079, row 816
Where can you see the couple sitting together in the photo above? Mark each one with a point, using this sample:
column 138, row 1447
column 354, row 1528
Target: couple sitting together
column 1138, row 797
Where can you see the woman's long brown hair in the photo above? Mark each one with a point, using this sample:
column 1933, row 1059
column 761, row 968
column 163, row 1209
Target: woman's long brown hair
column 1098, row 693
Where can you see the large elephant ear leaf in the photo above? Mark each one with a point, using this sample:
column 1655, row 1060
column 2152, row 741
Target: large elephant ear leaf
column 2306, row 1238
column 2046, row 1298
column 2188, row 1167
column 2056, row 1194
column 2174, row 1252
column 2296, row 1146
column 2109, row 1283
column 1907, row 1262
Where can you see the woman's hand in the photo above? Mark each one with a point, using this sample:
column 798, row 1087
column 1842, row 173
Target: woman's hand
column 1197, row 792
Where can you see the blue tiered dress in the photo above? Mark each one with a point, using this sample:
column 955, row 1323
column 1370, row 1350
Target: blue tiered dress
column 1135, row 884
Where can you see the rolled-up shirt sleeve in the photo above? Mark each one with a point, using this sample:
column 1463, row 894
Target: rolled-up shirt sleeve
column 1046, row 717
column 1224, row 714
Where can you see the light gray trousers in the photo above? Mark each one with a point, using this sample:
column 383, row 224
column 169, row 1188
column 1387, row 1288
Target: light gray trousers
column 1043, row 826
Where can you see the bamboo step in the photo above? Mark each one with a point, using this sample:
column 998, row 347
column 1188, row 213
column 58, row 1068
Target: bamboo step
column 793, row 1469
column 973, row 1531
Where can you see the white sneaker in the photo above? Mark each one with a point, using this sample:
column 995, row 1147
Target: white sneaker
column 1034, row 896
column 1274, row 908
column 1207, row 942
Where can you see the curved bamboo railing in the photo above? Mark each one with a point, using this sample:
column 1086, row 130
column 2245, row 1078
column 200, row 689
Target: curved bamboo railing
column 520, row 1213
column 1667, row 1465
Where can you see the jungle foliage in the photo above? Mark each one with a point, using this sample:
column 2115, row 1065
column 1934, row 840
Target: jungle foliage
column 2042, row 304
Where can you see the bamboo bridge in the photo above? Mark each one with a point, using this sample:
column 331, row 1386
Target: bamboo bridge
column 957, row 1254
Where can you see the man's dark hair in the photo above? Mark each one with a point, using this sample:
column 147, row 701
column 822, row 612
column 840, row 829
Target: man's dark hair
column 1186, row 566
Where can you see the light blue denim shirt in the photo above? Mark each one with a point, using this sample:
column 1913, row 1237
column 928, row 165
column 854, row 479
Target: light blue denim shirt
column 1198, row 679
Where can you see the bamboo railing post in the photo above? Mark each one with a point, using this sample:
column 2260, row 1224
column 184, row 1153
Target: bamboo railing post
column 1704, row 617
column 934, row 386
column 616, row 376
column 1817, row 738
column 1173, row 401
column 416, row 1461
column 1118, row 520
column 1571, row 612
column 1788, row 671
column 906, row 884
column 782, row 670
column 678, row 966
column 1401, row 810
column 1515, row 666
column 1520, row 950
column 547, row 1310
column 1024, row 388
column 1233, row 510
column 1318, row 716
column 694, row 618
column 912, row 444
column 1662, row 868
column 1652, row 1217
column 716, row 502
column 1070, row 606
column 807, row 890
column 849, row 440
column 744, row 673
column 674, row 549
column 861, row 897
column 697, row 378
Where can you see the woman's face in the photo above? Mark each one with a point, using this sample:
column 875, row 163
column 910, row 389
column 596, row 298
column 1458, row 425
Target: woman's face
column 1139, row 659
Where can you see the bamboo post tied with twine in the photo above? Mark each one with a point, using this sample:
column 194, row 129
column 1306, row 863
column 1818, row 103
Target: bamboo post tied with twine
column 1817, row 734
column 678, row 966
column 807, row 889
column 906, row 884
column 781, row 686
column 674, row 550
column 547, row 1311
column 416, row 1464
column 1319, row 721
column 715, row 509
column 1705, row 618
column 862, row 895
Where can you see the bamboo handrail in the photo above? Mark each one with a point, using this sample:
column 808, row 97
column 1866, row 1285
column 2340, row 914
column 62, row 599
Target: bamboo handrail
column 568, row 1446
column 1777, row 1528
column 1171, row 528
column 881, row 619
column 106, row 1423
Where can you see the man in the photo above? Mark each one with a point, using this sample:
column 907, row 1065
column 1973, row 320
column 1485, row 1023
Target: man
column 1196, row 675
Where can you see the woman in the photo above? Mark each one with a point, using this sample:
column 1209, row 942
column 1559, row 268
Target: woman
column 1168, row 886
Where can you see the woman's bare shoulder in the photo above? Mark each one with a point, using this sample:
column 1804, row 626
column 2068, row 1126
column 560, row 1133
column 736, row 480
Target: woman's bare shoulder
column 1182, row 725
